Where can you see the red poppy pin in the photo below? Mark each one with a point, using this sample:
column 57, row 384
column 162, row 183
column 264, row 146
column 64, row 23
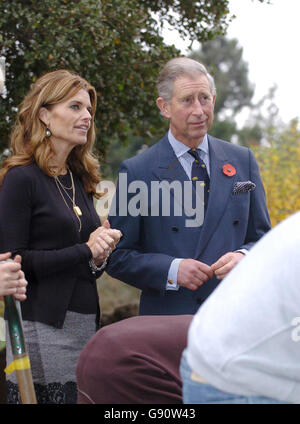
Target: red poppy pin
column 229, row 170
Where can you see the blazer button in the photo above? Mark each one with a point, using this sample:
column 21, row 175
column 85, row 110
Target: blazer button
column 235, row 222
column 175, row 229
column 199, row 301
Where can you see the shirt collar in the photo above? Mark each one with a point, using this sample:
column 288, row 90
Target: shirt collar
column 180, row 148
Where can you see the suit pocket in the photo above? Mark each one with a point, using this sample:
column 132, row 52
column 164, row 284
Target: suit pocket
column 239, row 206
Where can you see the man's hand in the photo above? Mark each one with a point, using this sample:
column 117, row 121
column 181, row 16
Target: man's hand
column 225, row 264
column 192, row 274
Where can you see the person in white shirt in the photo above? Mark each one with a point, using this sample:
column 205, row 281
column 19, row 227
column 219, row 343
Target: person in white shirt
column 244, row 342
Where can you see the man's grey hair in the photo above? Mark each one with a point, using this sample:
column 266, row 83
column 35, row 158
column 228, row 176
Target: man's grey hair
column 178, row 67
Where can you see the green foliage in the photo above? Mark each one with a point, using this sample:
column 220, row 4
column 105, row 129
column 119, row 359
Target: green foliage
column 279, row 165
column 224, row 59
column 134, row 144
column 114, row 293
column 116, row 45
column 251, row 135
column 262, row 121
column 116, row 153
column 197, row 20
column 223, row 129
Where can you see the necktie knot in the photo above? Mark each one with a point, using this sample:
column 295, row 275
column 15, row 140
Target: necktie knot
column 194, row 153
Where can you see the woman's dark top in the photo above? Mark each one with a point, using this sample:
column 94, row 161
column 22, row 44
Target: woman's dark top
column 36, row 223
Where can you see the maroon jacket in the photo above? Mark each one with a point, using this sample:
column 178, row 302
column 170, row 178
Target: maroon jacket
column 134, row 361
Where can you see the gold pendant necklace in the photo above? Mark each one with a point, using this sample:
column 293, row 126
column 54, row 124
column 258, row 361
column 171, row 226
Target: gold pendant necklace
column 76, row 208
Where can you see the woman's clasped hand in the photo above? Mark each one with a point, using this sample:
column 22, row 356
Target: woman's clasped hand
column 103, row 241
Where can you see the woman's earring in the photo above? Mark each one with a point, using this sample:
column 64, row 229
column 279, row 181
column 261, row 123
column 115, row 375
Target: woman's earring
column 48, row 133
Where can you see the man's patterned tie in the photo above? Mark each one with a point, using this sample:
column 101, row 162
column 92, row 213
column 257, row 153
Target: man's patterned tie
column 199, row 173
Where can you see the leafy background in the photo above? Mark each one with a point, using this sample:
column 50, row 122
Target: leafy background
column 117, row 46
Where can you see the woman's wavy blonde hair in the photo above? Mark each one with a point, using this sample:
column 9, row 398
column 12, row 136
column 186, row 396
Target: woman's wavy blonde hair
column 28, row 138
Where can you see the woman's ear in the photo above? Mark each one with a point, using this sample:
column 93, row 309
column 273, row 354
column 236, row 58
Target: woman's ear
column 44, row 116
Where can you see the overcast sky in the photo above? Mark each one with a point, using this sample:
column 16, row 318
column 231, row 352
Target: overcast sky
column 270, row 37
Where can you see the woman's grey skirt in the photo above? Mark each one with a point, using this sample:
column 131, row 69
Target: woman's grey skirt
column 53, row 354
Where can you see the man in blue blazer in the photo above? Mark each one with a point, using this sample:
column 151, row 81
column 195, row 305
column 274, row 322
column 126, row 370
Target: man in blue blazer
column 175, row 258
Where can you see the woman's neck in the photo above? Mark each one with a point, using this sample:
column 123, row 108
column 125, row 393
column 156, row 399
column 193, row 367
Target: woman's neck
column 59, row 164
column 59, row 160
column 58, row 170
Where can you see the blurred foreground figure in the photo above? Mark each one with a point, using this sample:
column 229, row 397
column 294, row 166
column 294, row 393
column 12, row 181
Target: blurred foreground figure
column 134, row 361
column 243, row 343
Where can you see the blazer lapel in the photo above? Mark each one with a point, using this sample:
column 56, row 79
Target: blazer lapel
column 221, row 187
column 168, row 167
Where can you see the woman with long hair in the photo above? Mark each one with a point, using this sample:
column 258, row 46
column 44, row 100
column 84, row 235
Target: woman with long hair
column 47, row 216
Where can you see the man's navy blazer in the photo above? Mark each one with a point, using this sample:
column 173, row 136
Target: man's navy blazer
column 150, row 243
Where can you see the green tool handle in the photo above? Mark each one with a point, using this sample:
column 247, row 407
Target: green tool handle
column 24, row 376
column 15, row 326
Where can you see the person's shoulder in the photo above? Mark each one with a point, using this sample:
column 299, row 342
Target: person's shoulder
column 145, row 156
column 240, row 153
column 24, row 175
column 28, row 170
column 229, row 145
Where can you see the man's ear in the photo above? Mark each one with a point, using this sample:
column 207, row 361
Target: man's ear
column 163, row 106
column 44, row 116
column 214, row 99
